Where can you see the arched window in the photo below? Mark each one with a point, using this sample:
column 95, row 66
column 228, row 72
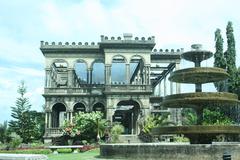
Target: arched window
column 81, row 71
column 118, row 70
column 79, row 107
column 99, row 107
column 58, row 115
column 98, row 72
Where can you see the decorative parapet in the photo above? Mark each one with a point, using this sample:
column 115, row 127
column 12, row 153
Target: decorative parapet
column 68, row 45
column 167, row 51
column 127, row 37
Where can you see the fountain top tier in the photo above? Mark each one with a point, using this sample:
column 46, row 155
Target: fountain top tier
column 197, row 55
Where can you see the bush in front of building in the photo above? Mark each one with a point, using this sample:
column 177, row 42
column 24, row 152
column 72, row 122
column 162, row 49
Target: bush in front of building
column 85, row 126
column 116, row 131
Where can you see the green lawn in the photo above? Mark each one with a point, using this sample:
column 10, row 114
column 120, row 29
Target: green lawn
column 89, row 155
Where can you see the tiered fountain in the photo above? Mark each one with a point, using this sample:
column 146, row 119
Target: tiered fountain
column 199, row 134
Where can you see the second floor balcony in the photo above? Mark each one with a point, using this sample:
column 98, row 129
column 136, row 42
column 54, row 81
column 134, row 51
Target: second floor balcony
column 99, row 89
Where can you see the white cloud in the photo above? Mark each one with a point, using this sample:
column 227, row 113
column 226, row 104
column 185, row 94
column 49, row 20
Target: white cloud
column 22, row 71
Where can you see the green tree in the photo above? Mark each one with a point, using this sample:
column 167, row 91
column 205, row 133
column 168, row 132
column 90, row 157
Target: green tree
column 39, row 120
column 228, row 62
column 234, row 80
column 4, row 133
column 230, row 54
column 219, row 60
column 23, row 123
column 214, row 116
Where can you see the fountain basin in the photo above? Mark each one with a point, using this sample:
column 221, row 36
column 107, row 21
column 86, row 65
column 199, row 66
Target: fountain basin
column 199, row 134
column 169, row 151
column 197, row 55
column 199, row 75
column 197, row 129
column 200, row 99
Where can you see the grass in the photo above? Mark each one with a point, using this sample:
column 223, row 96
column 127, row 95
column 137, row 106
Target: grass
column 63, row 154
column 88, row 155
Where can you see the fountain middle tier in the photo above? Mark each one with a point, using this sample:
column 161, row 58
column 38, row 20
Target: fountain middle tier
column 199, row 75
column 200, row 99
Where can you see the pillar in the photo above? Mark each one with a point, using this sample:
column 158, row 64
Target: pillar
column 47, row 77
column 149, row 72
column 178, row 87
column 171, row 88
column 138, row 78
column 127, row 73
column 164, row 87
column 159, row 89
column 89, row 75
column 70, row 77
column 71, row 116
column 144, row 75
column 50, row 120
column 178, row 90
column 107, row 74
column 46, row 119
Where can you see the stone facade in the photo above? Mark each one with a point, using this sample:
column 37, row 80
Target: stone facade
column 69, row 89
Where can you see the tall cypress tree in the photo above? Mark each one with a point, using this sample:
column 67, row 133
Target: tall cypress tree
column 233, row 80
column 230, row 56
column 219, row 60
column 23, row 123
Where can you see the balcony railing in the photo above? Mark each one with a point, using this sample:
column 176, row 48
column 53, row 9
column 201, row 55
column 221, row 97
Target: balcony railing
column 98, row 90
column 53, row 131
column 77, row 91
column 128, row 88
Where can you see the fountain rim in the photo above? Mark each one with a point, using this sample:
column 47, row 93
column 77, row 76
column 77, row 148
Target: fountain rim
column 190, row 54
column 200, row 99
column 197, row 129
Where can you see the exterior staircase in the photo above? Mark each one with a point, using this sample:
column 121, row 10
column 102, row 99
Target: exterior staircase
column 129, row 138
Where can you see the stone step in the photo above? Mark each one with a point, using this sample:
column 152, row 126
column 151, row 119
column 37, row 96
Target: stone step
column 129, row 139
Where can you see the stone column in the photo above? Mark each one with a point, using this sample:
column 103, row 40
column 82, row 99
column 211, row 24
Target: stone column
column 178, row 90
column 70, row 77
column 110, row 113
column 50, row 79
column 149, row 72
column 71, row 116
column 144, row 75
column 107, row 74
column 178, row 87
column 47, row 77
column 89, row 75
column 138, row 78
column 164, row 87
column 46, row 119
column 171, row 88
column 50, row 119
column 68, row 115
column 127, row 73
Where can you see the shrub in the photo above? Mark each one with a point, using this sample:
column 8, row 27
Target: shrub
column 64, row 150
column 62, row 140
column 85, row 126
column 180, row 139
column 145, row 137
column 115, row 132
column 16, row 140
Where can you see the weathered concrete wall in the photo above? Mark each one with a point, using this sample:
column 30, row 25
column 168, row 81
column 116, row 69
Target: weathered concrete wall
column 160, row 151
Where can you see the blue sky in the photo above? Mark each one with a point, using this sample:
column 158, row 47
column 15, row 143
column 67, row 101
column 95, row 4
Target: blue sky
column 24, row 23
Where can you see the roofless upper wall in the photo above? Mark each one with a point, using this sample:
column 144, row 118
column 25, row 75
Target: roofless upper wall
column 113, row 42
